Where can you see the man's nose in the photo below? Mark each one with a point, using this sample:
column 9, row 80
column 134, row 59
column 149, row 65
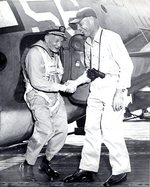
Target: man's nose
column 59, row 44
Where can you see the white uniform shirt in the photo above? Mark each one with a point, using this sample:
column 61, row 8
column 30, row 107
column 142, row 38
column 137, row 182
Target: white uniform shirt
column 114, row 58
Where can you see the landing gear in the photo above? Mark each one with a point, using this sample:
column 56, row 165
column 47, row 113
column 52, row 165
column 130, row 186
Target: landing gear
column 144, row 115
column 79, row 130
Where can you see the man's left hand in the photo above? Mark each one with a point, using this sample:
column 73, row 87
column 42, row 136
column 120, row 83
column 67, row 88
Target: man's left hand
column 118, row 100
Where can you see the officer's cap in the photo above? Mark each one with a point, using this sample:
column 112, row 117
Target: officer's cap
column 58, row 32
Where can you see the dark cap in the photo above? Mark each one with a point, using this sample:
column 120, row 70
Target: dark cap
column 58, row 32
column 82, row 13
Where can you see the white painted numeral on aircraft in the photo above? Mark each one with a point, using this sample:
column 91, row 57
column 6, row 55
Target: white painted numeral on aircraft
column 66, row 14
column 38, row 16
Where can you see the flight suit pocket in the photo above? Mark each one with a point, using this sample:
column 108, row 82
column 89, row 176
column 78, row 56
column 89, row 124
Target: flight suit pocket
column 30, row 97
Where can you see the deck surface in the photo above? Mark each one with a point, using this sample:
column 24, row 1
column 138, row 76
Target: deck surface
column 67, row 160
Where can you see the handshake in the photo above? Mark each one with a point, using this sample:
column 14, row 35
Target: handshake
column 70, row 86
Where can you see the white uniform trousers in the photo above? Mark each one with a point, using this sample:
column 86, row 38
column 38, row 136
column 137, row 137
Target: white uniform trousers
column 48, row 128
column 103, row 125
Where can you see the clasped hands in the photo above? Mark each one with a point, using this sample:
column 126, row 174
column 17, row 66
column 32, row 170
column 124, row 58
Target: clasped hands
column 70, row 86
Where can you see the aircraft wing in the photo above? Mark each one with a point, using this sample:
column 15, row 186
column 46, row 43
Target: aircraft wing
column 141, row 71
column 140, row 83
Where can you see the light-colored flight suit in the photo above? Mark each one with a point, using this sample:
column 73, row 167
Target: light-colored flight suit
column 103, row 124
column 42, row 96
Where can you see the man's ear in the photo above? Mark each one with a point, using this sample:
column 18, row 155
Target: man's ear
column 46, row 38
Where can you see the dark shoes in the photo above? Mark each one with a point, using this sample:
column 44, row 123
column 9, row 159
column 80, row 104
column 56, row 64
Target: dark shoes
column 45, row 167
column 88, row 176
column 116, row 179
column 80, row 176
column 26, row 172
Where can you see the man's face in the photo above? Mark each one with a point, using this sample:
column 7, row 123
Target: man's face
column 55, row 42
column 84, row 27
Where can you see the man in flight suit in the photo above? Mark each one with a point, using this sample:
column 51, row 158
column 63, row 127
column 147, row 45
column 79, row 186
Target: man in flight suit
column 43, row 72
column 109, row 69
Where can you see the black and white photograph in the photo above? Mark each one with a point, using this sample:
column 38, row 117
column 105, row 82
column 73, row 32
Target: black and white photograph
column 74, row 93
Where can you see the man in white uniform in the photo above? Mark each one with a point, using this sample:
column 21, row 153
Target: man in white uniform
column 109, row 69
column 43, row 72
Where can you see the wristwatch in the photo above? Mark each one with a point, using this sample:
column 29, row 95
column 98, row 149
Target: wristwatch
column 122, row 90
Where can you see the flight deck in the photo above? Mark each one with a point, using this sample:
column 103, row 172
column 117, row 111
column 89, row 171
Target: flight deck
column 137, row 135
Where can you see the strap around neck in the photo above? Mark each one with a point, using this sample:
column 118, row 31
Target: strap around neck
column 99, row 57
